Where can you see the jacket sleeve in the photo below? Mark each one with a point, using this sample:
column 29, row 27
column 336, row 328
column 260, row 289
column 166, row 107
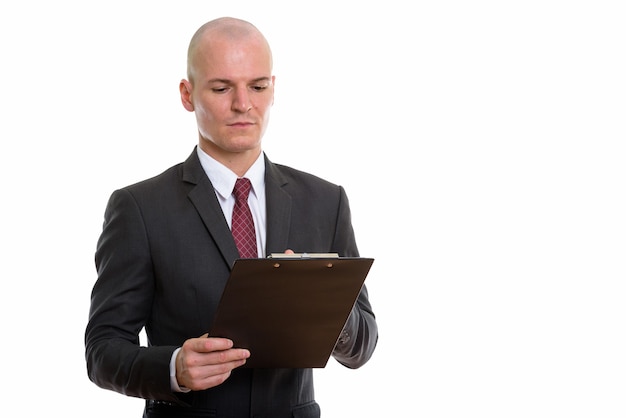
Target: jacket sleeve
column 121, row 301
column 359, row 336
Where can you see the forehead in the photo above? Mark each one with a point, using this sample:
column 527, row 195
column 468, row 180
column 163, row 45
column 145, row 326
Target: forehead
column 233, row 58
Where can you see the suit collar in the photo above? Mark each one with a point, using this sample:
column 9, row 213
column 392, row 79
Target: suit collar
column 278, row 204
column 202, row 196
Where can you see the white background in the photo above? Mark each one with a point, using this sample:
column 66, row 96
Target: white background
column 498, row 126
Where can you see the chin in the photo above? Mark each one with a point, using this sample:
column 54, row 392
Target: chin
column 244, row 144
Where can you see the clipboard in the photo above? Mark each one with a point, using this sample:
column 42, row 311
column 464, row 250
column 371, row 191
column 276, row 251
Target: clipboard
column 289, row 311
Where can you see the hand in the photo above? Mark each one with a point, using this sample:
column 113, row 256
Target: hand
column 206, row 362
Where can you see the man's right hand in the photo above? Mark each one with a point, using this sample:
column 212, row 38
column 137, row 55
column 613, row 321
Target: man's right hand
column 206, row 362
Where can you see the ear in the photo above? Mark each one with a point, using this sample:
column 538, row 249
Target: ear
column 185, row 94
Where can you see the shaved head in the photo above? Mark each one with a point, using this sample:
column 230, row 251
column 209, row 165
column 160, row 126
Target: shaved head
column 221, row 29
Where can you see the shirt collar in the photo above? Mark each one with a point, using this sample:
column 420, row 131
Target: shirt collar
column 223, row 179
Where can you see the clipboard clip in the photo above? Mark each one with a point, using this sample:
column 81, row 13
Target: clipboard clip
column 303, row 255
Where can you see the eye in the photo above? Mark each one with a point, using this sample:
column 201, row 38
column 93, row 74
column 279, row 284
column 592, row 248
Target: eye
column 219, row 89
column 259, row 87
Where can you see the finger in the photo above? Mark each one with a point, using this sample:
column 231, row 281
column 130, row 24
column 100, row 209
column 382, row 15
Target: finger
column 210, row 376
column 208, row 344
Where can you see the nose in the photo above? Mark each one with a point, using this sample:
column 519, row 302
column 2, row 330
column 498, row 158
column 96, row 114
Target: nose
column 241, row 101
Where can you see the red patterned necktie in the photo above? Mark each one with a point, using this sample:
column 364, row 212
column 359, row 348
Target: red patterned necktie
column 242, row 223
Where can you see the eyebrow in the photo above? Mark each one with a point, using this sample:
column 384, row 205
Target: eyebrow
column 226, row 81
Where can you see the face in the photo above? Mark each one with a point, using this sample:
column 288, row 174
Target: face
column 231, row 92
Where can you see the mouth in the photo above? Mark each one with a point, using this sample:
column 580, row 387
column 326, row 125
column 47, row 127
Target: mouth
column 240, row 124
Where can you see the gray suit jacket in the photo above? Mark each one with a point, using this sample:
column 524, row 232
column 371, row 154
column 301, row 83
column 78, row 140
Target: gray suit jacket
column 163, row 259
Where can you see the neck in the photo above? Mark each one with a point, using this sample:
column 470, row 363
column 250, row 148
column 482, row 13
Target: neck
column 237, row 162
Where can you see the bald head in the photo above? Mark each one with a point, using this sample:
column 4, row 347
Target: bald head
column 226, row 29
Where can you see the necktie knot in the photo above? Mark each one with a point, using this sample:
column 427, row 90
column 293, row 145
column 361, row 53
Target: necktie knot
column 242, row 190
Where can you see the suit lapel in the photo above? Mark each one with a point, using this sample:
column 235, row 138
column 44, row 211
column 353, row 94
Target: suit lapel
column 278, row 203
column 202, row 196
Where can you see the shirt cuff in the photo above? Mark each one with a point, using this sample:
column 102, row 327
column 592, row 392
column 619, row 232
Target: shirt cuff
column 173, row 381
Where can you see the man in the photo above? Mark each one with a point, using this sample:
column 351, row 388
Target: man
column 166, row 250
